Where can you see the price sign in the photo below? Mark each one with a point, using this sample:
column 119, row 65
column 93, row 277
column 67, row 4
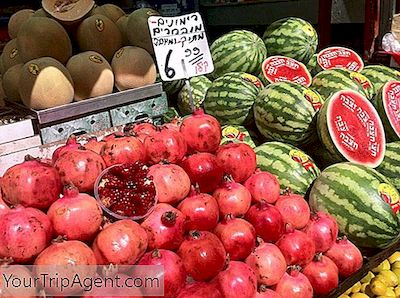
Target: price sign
column 181, row 47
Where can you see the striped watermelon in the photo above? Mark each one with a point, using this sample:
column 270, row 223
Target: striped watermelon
column 170, row 115
column 238, row 51
column 390, row 166
column 172, row 87
column 379, row 75
column 387, row 103
column 313, row 66
column 285, row 112
column 357, row 197
column 330, row 81
column 350, row 129
column 231, row 97
column 236, row 134
column 199, row 86
column 291, row 37
column 293, row 168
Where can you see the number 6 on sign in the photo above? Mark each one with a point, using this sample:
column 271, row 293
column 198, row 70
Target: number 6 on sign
column 177, row 39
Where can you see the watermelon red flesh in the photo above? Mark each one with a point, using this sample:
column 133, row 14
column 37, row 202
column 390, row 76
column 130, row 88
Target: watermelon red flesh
column 280, row 68
column 355, row 128
column 340, row 57
column 391, row 104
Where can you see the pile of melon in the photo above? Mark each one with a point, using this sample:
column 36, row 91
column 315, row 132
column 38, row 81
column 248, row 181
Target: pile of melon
column 50, row 61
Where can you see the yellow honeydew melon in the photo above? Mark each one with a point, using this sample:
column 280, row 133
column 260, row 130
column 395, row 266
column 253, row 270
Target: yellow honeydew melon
column 16, row 21
column 10, row 56
column 11, row 82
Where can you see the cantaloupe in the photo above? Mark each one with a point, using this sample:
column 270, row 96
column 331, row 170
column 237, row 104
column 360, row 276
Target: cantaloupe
column 40, row 13
column 133, row 67
column 2, row 94
column 11, row 82
column 43, row 37
column 67, row 10
column 98, row 33
column 1, row 65
column 10, row 56
column 16, row 21
column 122, row 24
column 113, row 12
column 97, row 10
column 138, row 29
column 92, row 75
column 45, row 83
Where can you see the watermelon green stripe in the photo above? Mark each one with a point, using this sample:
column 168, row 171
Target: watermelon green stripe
column 390, row 166
column 379, row 75
column 199, row 86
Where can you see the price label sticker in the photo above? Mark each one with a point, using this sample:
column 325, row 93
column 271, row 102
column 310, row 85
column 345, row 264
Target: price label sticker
column 181, row 46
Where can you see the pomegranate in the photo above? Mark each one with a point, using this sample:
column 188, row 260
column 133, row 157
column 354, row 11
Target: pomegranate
column 127, row 191
column 294, row 285
column 174, row 271
column 233, row 198
column 120, row 150
column 323, row 229
column 263, row 186
column 57, row 256
column 140, row 130
column 80, row 167
column 123, row 242
column 171, row 182
column 294, row 209
column 4, row 207
column 237, row 280
column 202, row 132
column 238, row 237
column 268, row 263
column 203, row 170
column 323, row 274
column 264, row 292
column 237, row 160
column 267, row 220
column 296, row 246
column 24, row 233
column 165, row 227
column 165, row 145
column 174, row 124
column 201, row 211
column 76, row 215
column 31, row 183
column 346, row 256
column 8, row 290
column 71, row 144
column 203, row 255
column 94, row 145
column 199, row 290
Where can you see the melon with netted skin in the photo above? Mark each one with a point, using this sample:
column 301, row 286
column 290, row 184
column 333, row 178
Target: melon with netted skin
column 10, row 56
column 11, row 82
column 16, row 21
column 92, row 75
column 98, row 33
column 43, row 37
column 122, row 24
column 138, row 29
column 112, row 11
column 45, row 83
column 133, row 67
column 40, row 13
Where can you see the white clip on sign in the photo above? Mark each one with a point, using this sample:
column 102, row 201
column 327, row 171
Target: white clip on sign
column 181, row 47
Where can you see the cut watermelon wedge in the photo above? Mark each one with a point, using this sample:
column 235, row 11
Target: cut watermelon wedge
column 282, row 69
column 340, row 57
column 351, row 130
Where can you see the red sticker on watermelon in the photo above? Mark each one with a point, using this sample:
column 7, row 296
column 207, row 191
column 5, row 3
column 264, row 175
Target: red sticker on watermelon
column 340, row 57
column 355, row 128
column 282, row 69
column 391, row 103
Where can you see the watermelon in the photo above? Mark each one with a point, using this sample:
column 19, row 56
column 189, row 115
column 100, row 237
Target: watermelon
column 390, row 166
column 330, row 81
column 340, row 57
column 379, row 75
column 173, row 87
column 238, row 51
column 231, row 97
column 313, row 66
column 236, row 134
column 285, row 112
column 170, row 115
column 350, row 129
column 291, row 37
column 293, row 168
column 363, row 202
column 387, row 103
column 199, row 86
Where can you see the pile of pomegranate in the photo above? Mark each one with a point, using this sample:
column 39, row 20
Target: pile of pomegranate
column 218, row 225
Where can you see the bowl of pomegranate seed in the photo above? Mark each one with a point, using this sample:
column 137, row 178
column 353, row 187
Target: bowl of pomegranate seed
column 125, row 191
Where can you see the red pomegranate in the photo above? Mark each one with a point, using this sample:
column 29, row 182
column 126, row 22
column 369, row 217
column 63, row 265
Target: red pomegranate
column 23, row 273
column 31, row 183
column 200, row 289
column 76, row 215
column 94, row 145
column 202, row 132
column 71, row 143
column 3, row 206
column 125, row 149
column 264, row 292
column 294, row 284
column 263, row 186
column 294, row 209
column 140, row 130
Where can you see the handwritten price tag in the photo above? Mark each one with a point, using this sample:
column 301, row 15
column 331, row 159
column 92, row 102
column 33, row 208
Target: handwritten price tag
column 181, row 46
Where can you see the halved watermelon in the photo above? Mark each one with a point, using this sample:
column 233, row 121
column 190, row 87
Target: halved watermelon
column 350, row 129
column 340, row 57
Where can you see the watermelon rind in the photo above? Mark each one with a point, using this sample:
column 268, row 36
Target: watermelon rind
column 199, row 86
column 236, row 134
column 351, row 193
column 293, row 168
column 313, row 67
column 390, row 166
column 379, row 75
column 291, row 37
